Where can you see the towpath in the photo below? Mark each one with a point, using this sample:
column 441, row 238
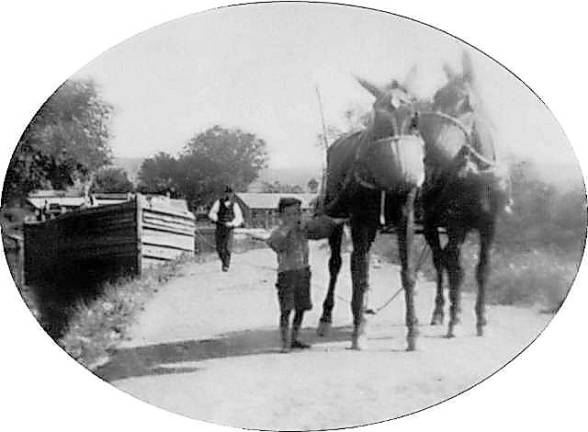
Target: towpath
column 206, row 346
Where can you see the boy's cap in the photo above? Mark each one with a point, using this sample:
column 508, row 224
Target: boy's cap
column 288, row 202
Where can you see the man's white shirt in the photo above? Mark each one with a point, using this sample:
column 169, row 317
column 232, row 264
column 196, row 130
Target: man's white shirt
column 237, row 220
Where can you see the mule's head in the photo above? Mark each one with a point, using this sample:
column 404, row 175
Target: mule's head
column 394, row 153
column 457, row 97
column 394, row 112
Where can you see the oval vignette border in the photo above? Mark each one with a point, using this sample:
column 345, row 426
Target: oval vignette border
column 56, row 365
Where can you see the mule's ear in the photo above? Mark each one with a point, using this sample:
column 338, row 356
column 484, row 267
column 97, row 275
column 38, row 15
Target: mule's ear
column 449, row 72
column 372, row 88
column 467, row 67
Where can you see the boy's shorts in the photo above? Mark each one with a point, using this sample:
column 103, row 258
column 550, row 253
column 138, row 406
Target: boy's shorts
column 294, row 290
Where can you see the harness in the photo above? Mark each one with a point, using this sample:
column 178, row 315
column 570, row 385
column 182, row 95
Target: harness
column 468, row 148
column 469, row 160
column 357, row 171
column 464, row 158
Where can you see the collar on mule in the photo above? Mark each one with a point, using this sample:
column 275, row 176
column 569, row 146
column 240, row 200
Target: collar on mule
column 468, row 148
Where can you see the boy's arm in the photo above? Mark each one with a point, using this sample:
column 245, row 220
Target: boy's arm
column 262, row 236
column 321, row 227
column 278, row 239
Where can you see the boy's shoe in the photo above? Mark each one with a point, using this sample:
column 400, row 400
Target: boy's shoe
column 296, row 344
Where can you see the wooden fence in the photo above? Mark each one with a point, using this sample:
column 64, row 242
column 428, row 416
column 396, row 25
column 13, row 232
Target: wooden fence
column 106, row 241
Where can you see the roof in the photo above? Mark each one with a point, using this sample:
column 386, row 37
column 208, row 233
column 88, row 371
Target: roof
column 270, row 200
column 67, row 199
column 54, row 193
column 61, row 201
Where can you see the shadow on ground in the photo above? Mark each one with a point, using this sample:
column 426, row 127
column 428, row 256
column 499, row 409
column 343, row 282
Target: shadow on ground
column 162, row 359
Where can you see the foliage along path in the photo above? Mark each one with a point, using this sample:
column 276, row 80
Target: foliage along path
column 207, row 347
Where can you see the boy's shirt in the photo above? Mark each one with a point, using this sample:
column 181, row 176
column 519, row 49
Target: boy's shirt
column 291, row 243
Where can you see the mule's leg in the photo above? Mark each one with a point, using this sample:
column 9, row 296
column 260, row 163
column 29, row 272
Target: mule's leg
column 456, row 237
column 334, row 268
column 486, row 239
column 405, row 239
column 362, row 235
column 432, row 237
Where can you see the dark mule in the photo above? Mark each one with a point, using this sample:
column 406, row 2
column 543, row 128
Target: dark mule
column 372, row 174
column 464, row 189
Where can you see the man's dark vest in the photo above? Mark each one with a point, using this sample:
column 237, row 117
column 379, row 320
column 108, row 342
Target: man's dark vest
column 225, row 214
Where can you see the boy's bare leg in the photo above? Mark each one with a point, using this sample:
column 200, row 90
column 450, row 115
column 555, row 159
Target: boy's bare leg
column 297, row 322
column 285, row 331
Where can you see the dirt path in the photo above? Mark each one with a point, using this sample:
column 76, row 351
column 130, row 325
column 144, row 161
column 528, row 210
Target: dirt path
column 207, row 347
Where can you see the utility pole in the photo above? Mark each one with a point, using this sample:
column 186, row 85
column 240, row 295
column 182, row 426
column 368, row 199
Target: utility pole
column 325, row 145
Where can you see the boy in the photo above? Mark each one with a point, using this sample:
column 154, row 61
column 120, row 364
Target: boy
column 290, row 242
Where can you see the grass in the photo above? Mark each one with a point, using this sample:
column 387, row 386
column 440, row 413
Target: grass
column 96, row 327
column 537, row 274
column 540, row 275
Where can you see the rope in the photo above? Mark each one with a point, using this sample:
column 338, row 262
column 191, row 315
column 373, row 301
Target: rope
column 425, row 251
column 424, row 254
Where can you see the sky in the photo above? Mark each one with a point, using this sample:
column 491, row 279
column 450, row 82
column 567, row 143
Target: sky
column 258, row 68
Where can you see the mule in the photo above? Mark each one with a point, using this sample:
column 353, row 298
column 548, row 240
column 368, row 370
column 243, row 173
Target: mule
column 365, row 183
column 465, row 190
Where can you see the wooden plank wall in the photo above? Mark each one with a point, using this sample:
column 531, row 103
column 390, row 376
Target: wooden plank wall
column 95, row 235
column 165, row 232
column 108, row 240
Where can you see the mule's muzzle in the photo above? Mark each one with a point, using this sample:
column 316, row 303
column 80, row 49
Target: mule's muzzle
column 397, row 163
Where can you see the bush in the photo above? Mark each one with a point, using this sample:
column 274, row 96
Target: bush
column 537, row 250
column 528, row 277
column 518, row 276
column 95, row 327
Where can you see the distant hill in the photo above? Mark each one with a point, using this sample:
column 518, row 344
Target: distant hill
column 130, row 165
column 291, row 176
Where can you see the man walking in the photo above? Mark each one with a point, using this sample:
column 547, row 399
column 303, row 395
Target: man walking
column 227, row 215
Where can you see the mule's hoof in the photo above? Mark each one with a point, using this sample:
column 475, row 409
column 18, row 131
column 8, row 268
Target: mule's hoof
column 480, row 330
column 411, row 345
column 452, row 331
column 324, row 328
column 358, row 343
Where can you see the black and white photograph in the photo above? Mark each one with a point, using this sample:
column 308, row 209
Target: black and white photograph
column 295, row 216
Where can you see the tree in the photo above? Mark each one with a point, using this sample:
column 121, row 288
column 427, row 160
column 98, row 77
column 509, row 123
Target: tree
column 219, row 157
column 277, row 187
column 112, row 180
column 210, row 160
column 159, row 175
column 67, row 139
